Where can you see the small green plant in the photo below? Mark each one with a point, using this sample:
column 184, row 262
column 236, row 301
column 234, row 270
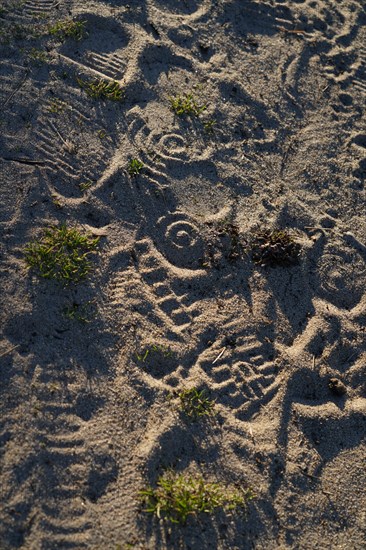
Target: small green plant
column 56, row 201
column 134, row 167
column 102, row 89
column 85, row 185
column 56, row 106
column 41, row 16
column 177, row 497
column 154, row 349
column 68, row 29
column 195, row 403
column 78, row 312
column 186, row 104
column 101, row 134
column 38, row 56
column 61, row 254
column 275, row 248
column 208, row 126
column 157, row 360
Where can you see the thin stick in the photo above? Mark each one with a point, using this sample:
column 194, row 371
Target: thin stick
column 30, row 162
column 9, row 351
column 16, row 90
column 219, row 355
column 58, row 133
column 251, row 432
column 318, row 228
column 293, row 31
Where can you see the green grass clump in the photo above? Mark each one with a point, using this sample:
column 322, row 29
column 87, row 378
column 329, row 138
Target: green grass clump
column 68, row 29
column 61, row 254
column 134, row 167
column 102, row 89
column 186, row 104
column 177, row 497
column 195, row 403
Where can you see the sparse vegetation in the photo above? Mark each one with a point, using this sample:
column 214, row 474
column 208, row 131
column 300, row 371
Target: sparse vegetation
column 78, row 312
column 85, row 185
column 101, row 134
column 38, row 56
column 177, row 497
column 195, row 403
column 231, row 230
column 68, row 29
column 56, row 106
column 61, row 254
column 102, row 89
column 134, row 167
column 157, row 360
column 275, row 248
column 57, row 202
column 208, row 126
column 154, row 349
column 186, row 104
column 15, row 31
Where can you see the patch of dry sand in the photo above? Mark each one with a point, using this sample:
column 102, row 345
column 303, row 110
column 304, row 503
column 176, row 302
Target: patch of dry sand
column 85, row 425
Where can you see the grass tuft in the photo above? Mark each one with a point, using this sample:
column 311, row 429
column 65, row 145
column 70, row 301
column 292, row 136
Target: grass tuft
column 134, row 167
column 68, row 29
column 102, row 89
column 177, row 497
column 195, row 403
column 186, row 104
column 61, row 254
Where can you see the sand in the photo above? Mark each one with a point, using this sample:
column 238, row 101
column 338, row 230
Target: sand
column 85, row 424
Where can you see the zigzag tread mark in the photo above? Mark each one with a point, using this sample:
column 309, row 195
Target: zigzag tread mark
column 156, row 277
column 63, row 522
column 110, row 65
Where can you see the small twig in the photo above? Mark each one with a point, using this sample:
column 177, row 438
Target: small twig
column 9, row 351
column 318, row 228
column 68, row 145
column 292, row 31
column 315, row 478
column 16, row 89
column 219, row 355
column 30, row 162
column 313, row 362
column 310, row 476
column 352, row 355
column 251, row 432
column 57, row 132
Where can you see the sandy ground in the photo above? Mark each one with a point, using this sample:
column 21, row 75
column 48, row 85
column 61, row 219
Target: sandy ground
column 281, row 144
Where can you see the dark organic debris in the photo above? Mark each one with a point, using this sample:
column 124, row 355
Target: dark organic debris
column 275, row 248
column 337, row 387
column 234, row 247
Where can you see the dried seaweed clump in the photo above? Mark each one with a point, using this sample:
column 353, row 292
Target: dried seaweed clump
column 275, row 248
